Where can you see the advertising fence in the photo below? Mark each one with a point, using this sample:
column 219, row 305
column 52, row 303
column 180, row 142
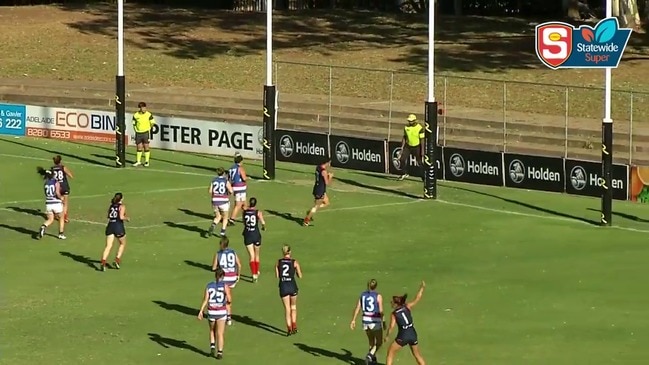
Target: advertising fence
column 521, row 171
column 529, row 172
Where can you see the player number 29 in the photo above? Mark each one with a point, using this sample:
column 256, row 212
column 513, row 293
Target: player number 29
column 10, row 123
column 251, row 220
column 554, row 38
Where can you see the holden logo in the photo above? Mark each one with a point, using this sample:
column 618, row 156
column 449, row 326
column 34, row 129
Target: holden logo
column 456, row 163
column 516, row 171
column 396, row 158
column 342, row 152
column 286, row 146
column 578, row 177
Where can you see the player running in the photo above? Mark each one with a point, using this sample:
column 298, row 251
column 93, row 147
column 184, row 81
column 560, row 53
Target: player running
column 216, row 299
column 115, row 229
column 53, row 203
column 220, row 189
column 252, row 220
column 228, row 261
column 322, row 180
column 286, row 270
column 62, row 174
column 406, row 335
column 238, row 180
column 371, row 303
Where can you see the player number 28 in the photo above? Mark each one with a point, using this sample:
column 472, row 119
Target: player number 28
column 11, row 123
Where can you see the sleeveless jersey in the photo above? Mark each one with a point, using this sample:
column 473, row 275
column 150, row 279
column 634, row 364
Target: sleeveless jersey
column 286, row 268
column 227, row 260
column 60, row 175
column 370, row 307
column 250, row 221
column 220, row 190
column 216, row 299
column 319, row 184
column 113, row 213
column 238, row 184
column 50, row 192
column 403, row 318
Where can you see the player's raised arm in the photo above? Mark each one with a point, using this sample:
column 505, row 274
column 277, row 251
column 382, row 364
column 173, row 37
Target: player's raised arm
column 418, row 296
column 67, row 172
column 357, row 310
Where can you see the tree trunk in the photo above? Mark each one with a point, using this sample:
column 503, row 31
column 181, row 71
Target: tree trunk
column 457, row 7
column 616, row 8
column 629, row 15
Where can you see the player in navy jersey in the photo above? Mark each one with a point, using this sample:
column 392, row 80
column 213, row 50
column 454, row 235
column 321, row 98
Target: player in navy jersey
column 286, row 270
column 53, row 203
column 253, row 222
column 228, row 261
column 238, row 178
column 62, row 174
column 220, row 190
column 406, row 333
column 115, row 229
column 322, row 180
column 216, row 299
column 371, row 303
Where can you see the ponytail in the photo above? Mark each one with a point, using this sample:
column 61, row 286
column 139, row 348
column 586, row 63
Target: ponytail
column 117, row 198
column 57, row 159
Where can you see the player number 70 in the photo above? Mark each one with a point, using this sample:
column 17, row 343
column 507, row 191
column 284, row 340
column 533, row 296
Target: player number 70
column 10, row 123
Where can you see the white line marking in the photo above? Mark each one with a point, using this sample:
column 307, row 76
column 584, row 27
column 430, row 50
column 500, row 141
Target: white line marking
column 531, row 215
column 109, row 194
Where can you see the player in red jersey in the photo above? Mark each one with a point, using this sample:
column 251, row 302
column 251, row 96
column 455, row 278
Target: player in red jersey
column 253, row 223
column 285, row 271
column 323, row 179
column 406, row 333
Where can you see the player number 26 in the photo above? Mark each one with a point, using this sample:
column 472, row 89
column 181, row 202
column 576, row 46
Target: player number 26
column 554, row 42
column 10, row 123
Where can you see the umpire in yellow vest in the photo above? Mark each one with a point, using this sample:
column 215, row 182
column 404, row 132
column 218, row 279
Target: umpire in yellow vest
column 142, row 123
column 411, row 144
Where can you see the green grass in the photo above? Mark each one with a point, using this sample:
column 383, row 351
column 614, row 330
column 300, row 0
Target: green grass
column 507, row 283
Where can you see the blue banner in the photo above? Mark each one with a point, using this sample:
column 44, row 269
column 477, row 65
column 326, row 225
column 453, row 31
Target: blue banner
column 12, row 119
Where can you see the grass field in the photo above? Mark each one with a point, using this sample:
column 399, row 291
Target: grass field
column 514, row 277
column 216, row 49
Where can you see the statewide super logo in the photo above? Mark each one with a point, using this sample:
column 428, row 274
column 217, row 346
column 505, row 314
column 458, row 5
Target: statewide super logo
column 561, row 45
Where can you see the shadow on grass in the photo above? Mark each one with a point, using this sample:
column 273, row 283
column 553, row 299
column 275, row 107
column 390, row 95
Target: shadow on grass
column 85, row 260
column 345, row 356
column 377, row 188
column 168, row 342
column 258, row 324
column 199, row 265
column 467, row 43
column 527, row 205
column 177, row 308
column 186, row 227
column 192, row 213
column 630, row 217
column 63, row 154
column 22, row 230
column 287, row 216
column 29, row 211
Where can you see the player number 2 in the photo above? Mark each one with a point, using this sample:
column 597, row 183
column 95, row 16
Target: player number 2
column 368, row 304
column 216, row 295
column 285, row 269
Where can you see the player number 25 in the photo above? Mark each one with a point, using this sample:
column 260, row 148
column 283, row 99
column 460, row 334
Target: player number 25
column 10, row 123
column 549, row 42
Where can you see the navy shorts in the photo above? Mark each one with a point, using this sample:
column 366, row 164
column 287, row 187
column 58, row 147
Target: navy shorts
column 116, row 229
column 65, row 189
column 251, row 239
column 407, row 338
column 288, row 290
column 319, row 193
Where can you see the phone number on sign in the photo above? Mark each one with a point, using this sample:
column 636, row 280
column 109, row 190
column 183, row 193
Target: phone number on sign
column 69, row 135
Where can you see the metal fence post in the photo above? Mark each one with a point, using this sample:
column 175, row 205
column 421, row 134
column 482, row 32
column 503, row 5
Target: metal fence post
column 567, row 116
column 390, row 104
column 275, row 74
column 444, row 106
column 631, row 129
column 331, row 71
column 504, row 116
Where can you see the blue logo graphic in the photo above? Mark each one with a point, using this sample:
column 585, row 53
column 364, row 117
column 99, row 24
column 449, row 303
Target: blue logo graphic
column 561, row 45
column 12, row 119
